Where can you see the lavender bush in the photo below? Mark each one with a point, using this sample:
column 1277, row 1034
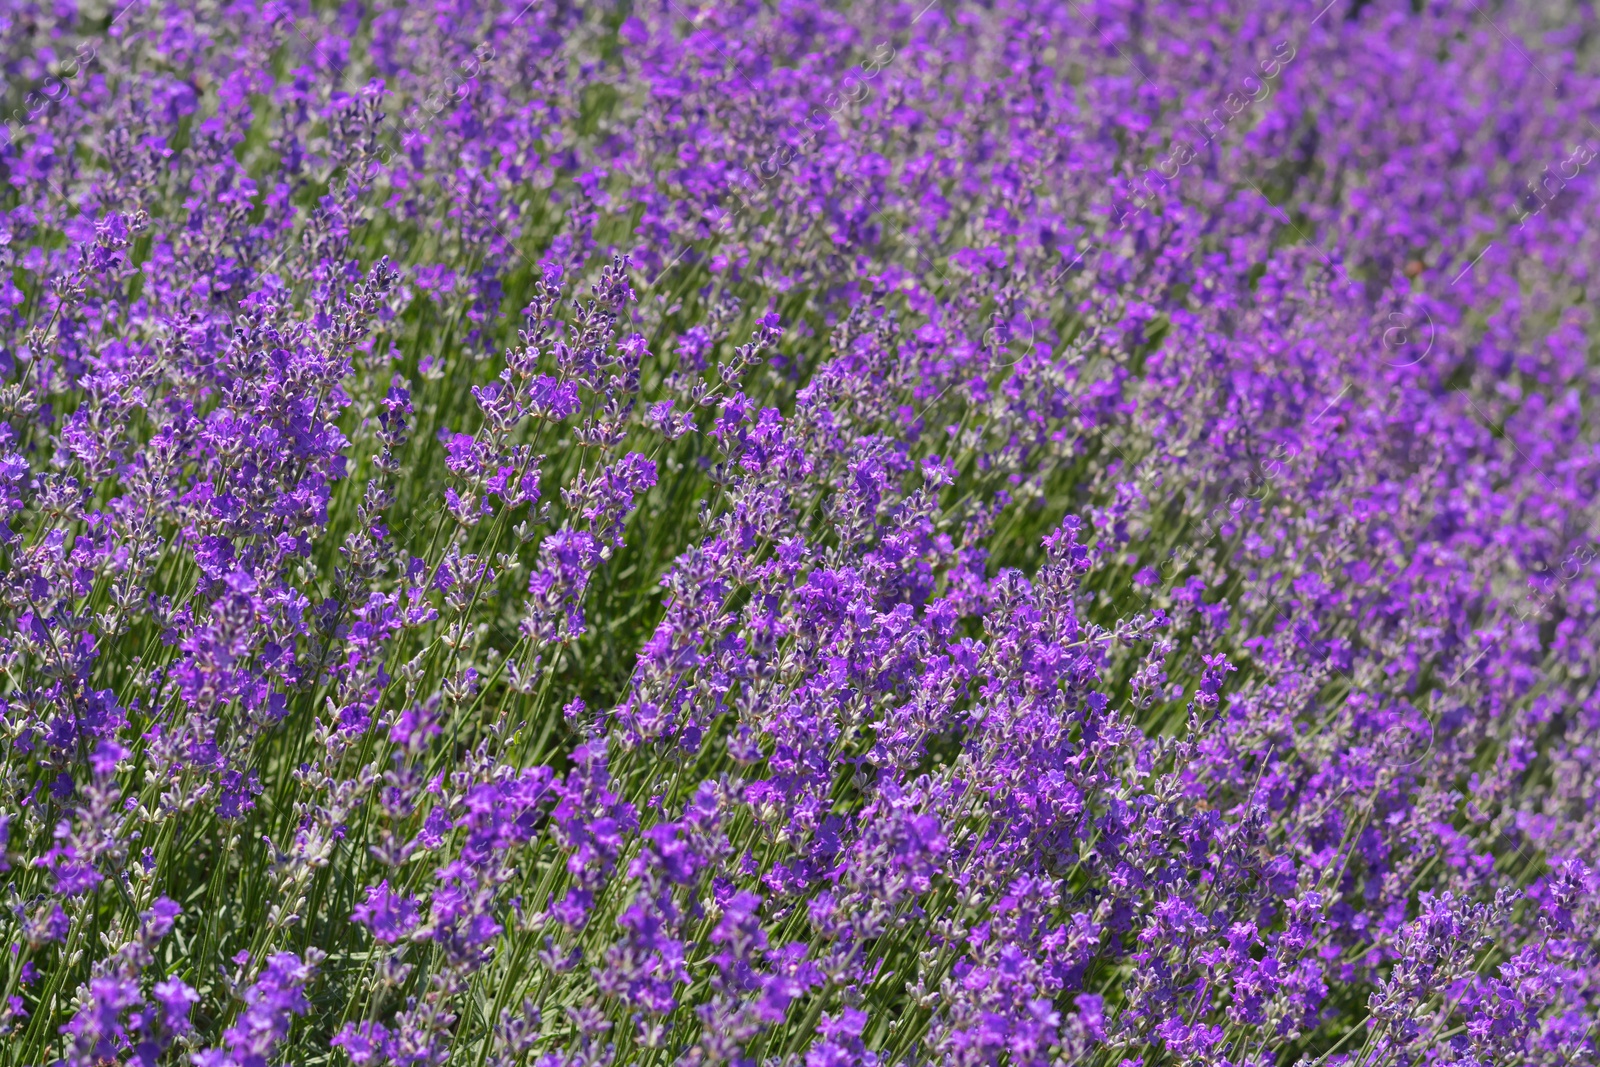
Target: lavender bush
column 768, row 534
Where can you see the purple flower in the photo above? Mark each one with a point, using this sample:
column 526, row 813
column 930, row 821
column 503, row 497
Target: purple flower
column 271, row 1002
column 390, row 916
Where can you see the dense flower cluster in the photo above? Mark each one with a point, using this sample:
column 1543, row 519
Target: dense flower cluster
column 1026, row 532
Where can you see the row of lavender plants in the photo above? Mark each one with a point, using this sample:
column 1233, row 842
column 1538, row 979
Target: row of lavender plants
column 1027, row 532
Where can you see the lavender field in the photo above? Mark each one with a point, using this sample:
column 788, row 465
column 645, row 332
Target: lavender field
column 779, row 534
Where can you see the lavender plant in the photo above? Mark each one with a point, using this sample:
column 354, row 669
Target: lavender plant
column 848, row 536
